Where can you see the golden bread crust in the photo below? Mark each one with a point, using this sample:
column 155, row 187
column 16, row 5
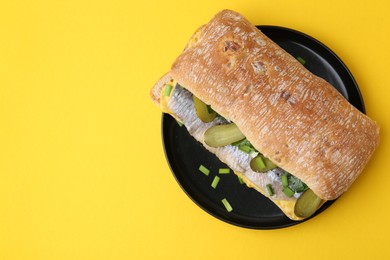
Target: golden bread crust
column 155, row 92
column 293, row 117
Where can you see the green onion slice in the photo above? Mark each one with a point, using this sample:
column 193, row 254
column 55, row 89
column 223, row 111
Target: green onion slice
column 301, row 60
column 253, row 153
column 224, row 171
column 167, row 90
column 240, row 180
column 215, row 182
column 284, row 179
column 204, row 170
column 227, row 205
column 245, row 148
column 289, row 192
column 270, row 190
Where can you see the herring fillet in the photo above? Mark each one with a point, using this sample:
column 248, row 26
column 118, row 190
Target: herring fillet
column 181, row 104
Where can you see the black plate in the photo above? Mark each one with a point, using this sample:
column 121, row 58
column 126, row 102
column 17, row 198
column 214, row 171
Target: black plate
column 250, row 209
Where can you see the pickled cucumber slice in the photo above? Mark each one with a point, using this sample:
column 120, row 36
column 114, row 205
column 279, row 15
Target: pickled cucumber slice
column 202, row 111
column 261, row 164
column 307, row 204
column 222, row 135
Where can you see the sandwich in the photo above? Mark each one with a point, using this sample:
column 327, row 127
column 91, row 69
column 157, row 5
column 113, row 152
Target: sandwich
column 286, row 132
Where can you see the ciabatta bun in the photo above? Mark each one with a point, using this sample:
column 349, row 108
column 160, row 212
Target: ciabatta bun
column 298, row 120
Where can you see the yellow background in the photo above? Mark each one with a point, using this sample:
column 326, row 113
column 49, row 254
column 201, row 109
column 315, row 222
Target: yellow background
column 82, row 169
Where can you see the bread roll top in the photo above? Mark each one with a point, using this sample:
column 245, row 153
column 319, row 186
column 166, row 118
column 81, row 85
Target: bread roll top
column 298, row 120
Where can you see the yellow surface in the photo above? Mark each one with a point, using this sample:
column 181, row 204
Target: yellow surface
column 82, row 170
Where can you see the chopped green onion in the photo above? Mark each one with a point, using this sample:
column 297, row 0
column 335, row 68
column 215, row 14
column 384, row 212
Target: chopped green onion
column 245, row 148
column 270, row 190
column 253, row 153
column 301, row 60
column 240, row 180
column 167, row 90
column 204, row 170
column 289, row 192
column 284, row 180
column 224, row 171
column 259, row 162
column 241, row 142
column 215, row 182
column 227, row 205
